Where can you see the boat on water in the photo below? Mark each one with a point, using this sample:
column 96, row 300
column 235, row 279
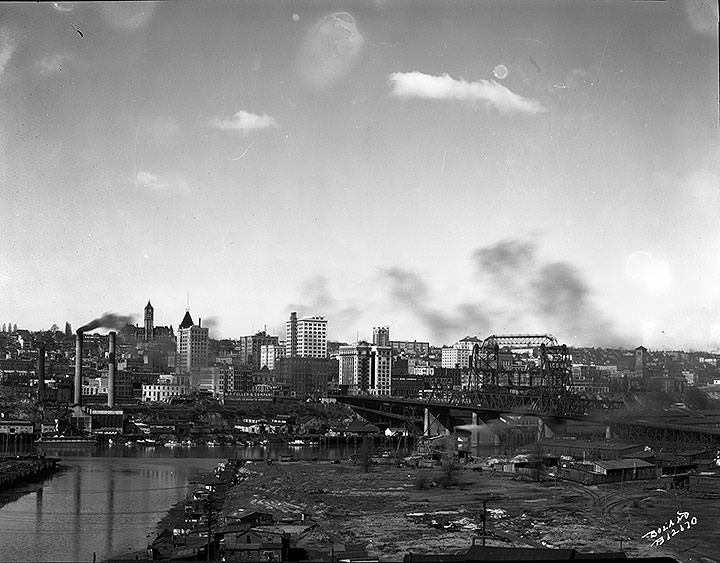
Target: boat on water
column 212, row 444
column 172, row 444
column 296, row 443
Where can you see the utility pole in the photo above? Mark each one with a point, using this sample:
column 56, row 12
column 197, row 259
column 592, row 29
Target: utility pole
column 484, row 519
column 209, row 507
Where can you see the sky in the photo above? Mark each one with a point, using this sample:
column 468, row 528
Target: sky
column 442, row 168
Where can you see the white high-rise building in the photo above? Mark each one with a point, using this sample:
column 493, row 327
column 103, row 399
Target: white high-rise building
column 270, row 354
column 306, row 337
column 192, row 346
column 459, row 355
column 366, row 369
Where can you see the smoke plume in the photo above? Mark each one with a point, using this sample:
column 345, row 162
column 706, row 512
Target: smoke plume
column 107, row 320
column 410, row 290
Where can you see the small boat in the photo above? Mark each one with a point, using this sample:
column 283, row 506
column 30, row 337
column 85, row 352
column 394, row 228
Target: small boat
column 188, row 443
column 212, row 444
column 296, row 443
column 172, row 444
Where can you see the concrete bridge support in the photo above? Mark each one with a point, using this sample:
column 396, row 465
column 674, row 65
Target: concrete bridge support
column 551, row 426
column 432, row 425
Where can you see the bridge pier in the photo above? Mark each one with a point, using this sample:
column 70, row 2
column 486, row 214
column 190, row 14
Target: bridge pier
column 549, row 427
column 432, row 425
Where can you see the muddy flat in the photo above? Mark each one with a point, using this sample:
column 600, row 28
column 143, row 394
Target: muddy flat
column 388, row 511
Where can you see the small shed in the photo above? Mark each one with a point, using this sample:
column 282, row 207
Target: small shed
column 631, row 469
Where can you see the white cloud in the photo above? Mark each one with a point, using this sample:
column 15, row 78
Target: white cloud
column 7, row 47
column 243, row 121
column 159, row 183
column 419, row 85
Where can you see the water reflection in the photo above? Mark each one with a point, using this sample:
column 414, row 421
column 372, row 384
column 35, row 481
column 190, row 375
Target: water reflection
column 100, row 505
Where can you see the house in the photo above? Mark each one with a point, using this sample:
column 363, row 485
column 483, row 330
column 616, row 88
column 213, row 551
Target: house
column 248, row 518
column 239, row 543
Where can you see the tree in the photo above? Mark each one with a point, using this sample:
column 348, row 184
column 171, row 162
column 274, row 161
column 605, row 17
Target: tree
column 449, row 470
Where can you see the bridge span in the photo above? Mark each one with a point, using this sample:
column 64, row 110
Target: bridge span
column 443, row 412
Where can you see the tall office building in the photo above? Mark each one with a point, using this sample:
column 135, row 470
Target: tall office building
column 366, row 369
column 192, row 346
column 249, row 347
column 381, row 336
column 306, row 337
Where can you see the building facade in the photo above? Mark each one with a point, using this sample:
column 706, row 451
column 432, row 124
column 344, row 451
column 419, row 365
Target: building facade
column 306, row 337
column 365, row 369
column 192, row 346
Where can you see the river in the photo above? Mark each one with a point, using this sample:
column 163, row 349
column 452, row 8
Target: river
column 106, row 502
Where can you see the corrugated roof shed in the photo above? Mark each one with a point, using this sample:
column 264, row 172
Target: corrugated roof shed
column 629, row 463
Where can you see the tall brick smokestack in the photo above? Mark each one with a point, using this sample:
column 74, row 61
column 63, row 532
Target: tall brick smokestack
column 40, row 372
column 111, row 371
column 78, row 368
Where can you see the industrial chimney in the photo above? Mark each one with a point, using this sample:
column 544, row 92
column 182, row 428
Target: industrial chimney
column 40, row 373
column 78, row 369
column 111, row 371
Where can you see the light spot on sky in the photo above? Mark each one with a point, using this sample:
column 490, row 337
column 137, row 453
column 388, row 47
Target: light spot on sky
column 64, row 6
column 329, row 50
column 127, row 16
column 651, row 272
column 703, row 15
column 500, row 72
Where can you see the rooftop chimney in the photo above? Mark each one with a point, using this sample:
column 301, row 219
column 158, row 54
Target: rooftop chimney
column 111, row 371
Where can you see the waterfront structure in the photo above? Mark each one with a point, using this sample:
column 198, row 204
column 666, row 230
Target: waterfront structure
column 306, row 337
column 192, row 346
column 365, row 368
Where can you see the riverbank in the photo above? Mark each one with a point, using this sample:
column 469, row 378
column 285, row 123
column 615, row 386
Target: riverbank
column 25, row 469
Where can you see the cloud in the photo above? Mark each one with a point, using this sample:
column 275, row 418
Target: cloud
column 243, row 121
column 159, row 183
column 426, row 86
column 7, row 47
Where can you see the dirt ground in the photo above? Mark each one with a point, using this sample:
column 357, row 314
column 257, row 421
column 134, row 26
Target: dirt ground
column 386, row 511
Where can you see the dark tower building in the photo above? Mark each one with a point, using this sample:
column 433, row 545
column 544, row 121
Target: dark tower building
column 641, row 362
column 148, row 322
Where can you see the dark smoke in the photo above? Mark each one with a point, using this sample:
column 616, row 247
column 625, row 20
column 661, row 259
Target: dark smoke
column 107, row 320
column 410, row 290
column 209, row 323
column 318, row 300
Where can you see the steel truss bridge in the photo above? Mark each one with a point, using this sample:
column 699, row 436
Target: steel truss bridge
column 492, row 363
column 540, row 386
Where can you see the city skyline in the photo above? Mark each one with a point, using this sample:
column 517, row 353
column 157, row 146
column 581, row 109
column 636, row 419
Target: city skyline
column 447, row 169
